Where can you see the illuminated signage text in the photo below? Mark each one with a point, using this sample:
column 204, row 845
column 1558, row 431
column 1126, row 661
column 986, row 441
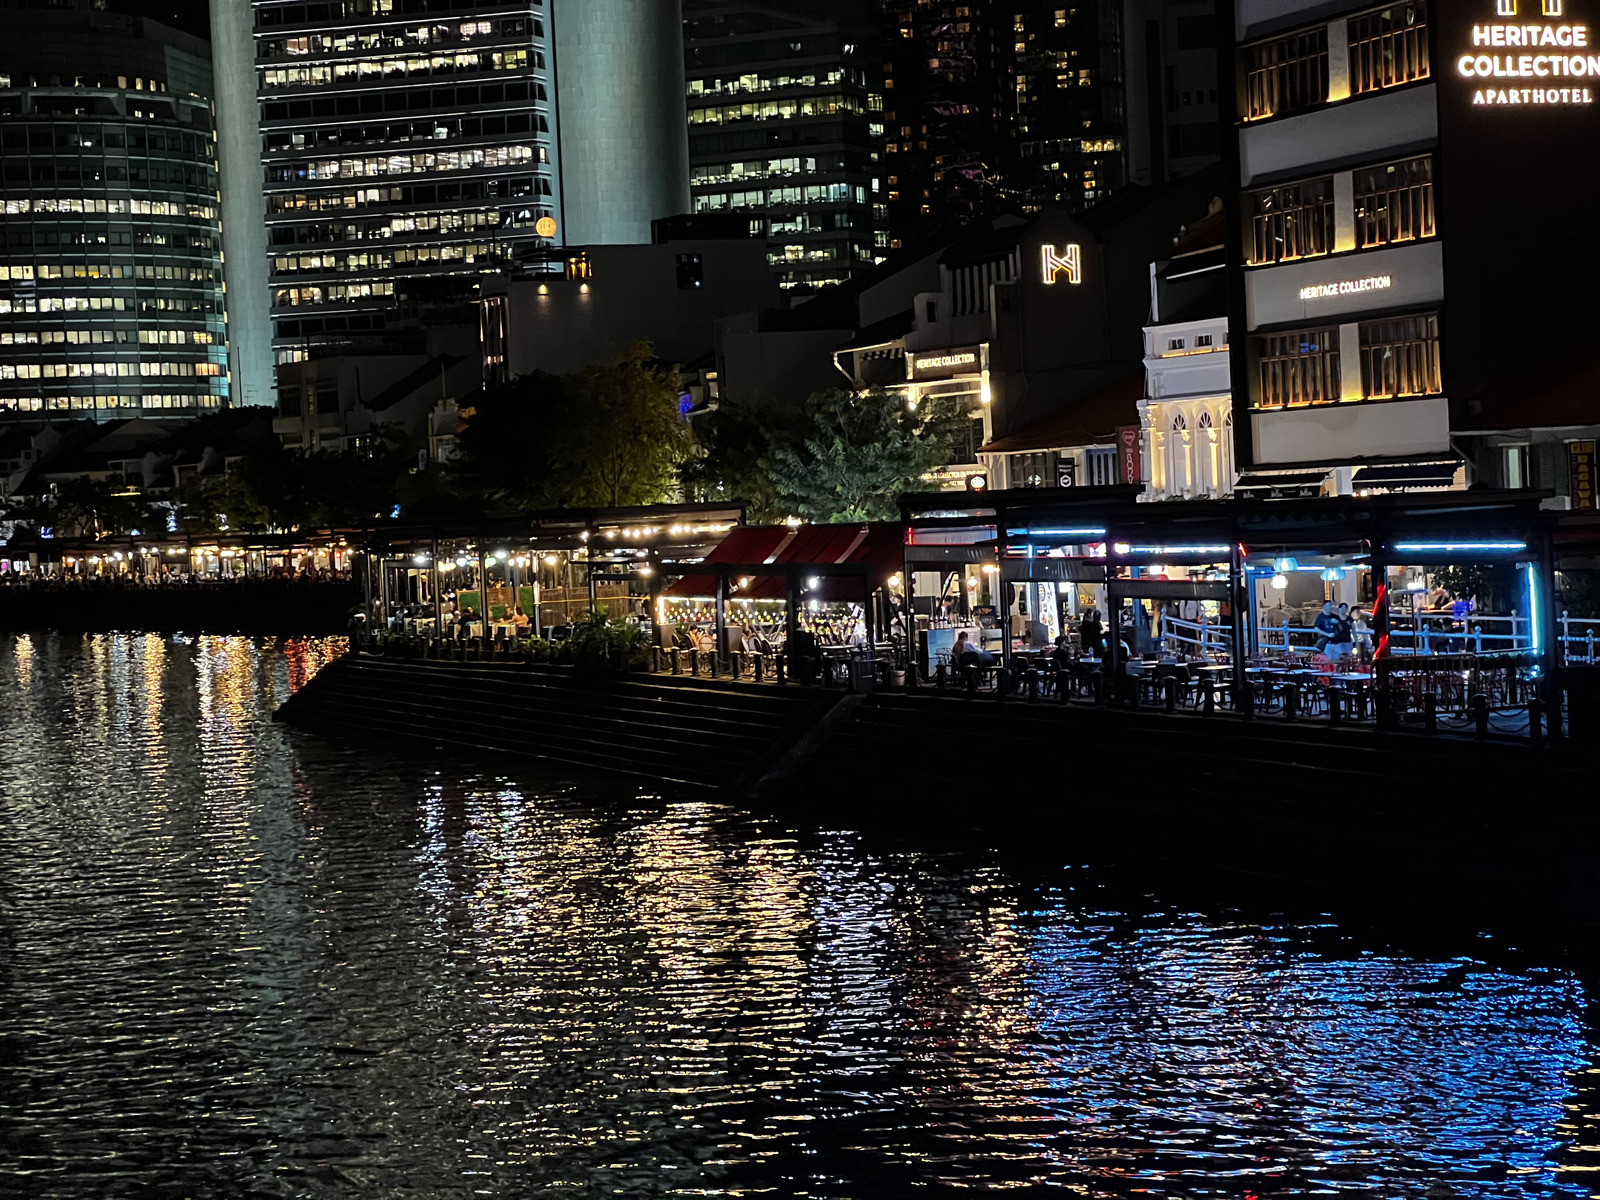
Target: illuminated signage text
column 1542, row 70
column 966, row 358
column 1069, row 260
column 1347, row 287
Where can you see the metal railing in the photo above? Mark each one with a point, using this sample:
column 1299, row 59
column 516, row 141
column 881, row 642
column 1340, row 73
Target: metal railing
column 1197, row 639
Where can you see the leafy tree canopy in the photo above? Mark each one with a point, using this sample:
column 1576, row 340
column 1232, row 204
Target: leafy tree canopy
column 846, row 456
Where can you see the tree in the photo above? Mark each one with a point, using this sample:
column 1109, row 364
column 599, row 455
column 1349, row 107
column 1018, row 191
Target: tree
column 620, row 436
column 96, row 509
column 851, row 455
column 735, row 449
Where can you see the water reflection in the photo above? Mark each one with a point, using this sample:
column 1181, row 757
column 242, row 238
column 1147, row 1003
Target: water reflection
column 242, row 961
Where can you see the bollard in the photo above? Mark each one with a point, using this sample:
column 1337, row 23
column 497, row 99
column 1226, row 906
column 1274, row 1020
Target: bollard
column 1063, row 687
column 1033, row 684
column 1480, row 714
column 1208, row 698
column 1383, row 709
column 675, row 656
column 1002, row 684
column 1291, row 701
column 1536, row 721
column 939, row 678
column 694, row 662
column 1430, row 712
column 1170, row 686
column 761, row 668
column 1245, row 700
column 969, row 680
column 1335, row 707
column 713, row 659
column 780, row 670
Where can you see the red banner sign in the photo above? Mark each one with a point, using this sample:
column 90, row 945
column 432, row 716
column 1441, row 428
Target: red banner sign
column 1128, row 454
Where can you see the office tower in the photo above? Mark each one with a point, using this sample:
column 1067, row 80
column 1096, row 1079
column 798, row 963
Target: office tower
column 949, row 112
column 410, row 146
column 786, row 128
column 111, row 296
column 1388, row 320
column 995, row 107
column 1071, row 118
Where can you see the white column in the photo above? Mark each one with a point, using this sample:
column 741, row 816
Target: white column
column 1350, row 362
column 1338, row 60
column 1344, row 211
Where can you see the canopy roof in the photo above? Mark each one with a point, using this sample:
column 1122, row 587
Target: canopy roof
column 759, row 559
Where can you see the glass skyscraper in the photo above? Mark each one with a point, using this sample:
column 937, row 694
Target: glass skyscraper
column 111, row 290
column 411, row 145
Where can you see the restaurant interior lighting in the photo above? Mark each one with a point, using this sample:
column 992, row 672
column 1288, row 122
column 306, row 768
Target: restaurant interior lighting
column 813, row 582
column 1280, row 581
column 972, row 581
column 1332, row 574
column 1286, row 564
column 1169, row 551
column 550, row 560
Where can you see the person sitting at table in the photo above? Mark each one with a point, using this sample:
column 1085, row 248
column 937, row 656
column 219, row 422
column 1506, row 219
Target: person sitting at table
column 519, row 617
column 963, row 646
column 1061, row 655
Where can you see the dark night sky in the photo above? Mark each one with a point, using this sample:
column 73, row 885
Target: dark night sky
column 191, row 16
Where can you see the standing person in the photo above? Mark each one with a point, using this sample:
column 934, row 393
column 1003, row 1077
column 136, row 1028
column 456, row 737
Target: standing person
column 1342, row 644
column 1326, row 625
column 1361, row 633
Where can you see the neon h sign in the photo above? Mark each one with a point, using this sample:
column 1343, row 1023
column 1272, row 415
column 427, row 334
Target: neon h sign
column 1069, row 260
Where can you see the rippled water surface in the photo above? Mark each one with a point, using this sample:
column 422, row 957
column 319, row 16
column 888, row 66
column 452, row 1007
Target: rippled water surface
column 239, row 961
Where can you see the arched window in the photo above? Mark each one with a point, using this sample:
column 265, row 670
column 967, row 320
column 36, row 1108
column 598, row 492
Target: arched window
column 1178, row 423
column 1205, row 420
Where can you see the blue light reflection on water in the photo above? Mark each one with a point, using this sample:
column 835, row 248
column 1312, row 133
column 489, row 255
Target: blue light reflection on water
column 235, row 960
column 1311, row 1067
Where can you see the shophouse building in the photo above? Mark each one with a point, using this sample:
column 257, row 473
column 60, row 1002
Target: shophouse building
column 1036, row 324
column 111, row 287
column 1410, row 199
column 1186, row 413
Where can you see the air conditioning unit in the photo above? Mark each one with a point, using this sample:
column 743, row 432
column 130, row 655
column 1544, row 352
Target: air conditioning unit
column 1556, row 504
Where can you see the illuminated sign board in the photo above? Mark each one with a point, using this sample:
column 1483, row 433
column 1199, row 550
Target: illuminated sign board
column 942, row 364
column 1056, row 261
column 1545, row 57
column 1347, row 287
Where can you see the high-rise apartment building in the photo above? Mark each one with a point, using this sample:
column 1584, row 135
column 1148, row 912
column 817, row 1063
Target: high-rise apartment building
column 786, row 128
column 111, row 289
column 1009, row 105
column 410, row 145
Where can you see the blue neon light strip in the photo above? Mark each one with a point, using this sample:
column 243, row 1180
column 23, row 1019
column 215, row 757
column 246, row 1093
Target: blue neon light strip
column 1176, row 550
column 1450, row 546
column 1085, row 533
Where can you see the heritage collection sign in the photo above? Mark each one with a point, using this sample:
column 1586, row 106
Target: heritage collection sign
column 1347, row 287
column 1547, row 56
column 942, row 364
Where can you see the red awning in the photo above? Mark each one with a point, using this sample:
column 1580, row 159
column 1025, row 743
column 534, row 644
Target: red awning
column 880, row 546
column 744, row 544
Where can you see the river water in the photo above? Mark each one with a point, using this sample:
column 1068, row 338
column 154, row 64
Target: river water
column 236, row 960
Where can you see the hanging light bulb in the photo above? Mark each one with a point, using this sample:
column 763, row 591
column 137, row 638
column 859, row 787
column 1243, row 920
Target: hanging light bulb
column 1285, row 564
column 1332, row 574
column 1280, row 581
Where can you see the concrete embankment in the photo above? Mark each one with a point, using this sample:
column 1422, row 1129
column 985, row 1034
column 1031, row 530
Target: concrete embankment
column 1500, row 827
column 674, row 731
column 267, row 608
